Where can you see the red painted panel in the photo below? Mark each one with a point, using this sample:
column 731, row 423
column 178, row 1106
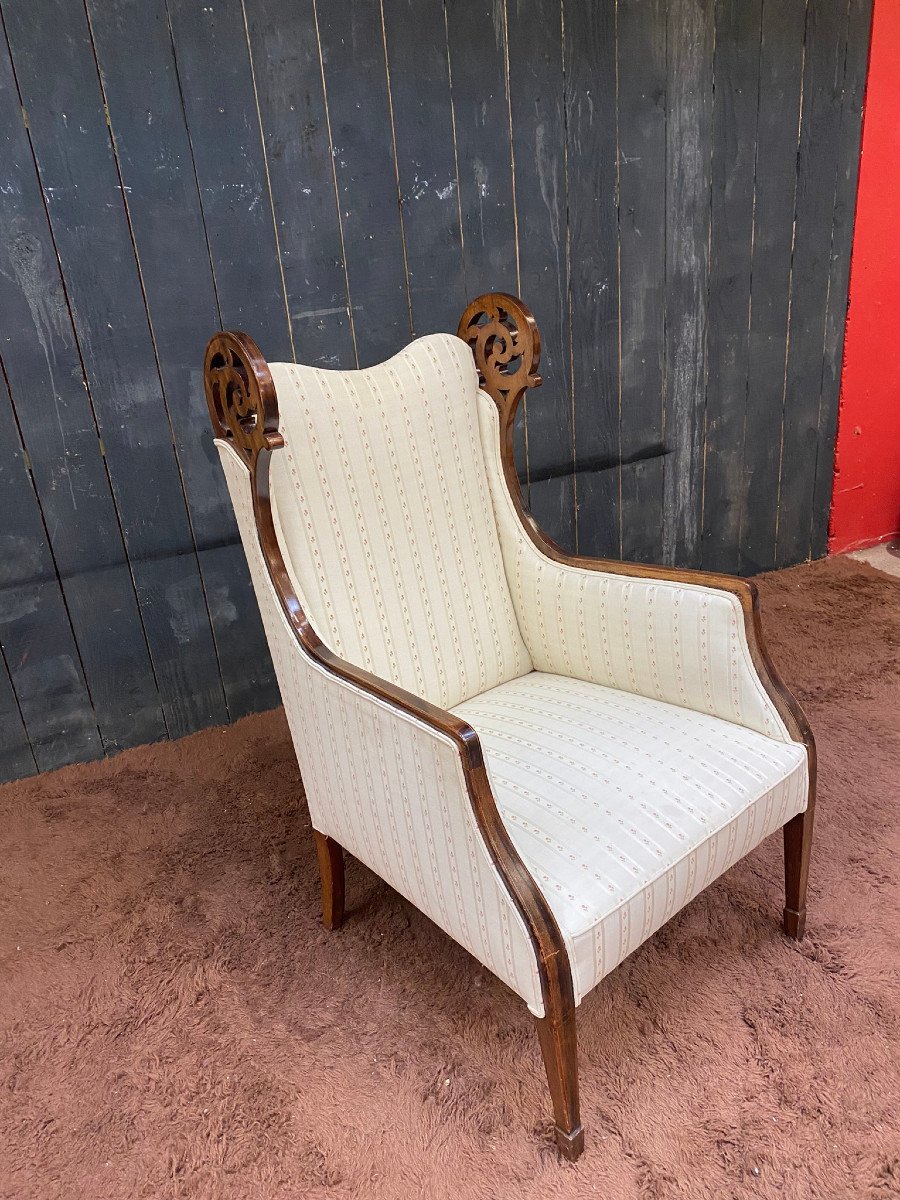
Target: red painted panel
column 866, row 504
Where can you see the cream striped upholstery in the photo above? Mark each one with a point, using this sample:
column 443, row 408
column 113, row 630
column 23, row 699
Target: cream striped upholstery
column 624, row 808
column 388, row 788
column 383, row 502
column 631, row 746
column 676, row 642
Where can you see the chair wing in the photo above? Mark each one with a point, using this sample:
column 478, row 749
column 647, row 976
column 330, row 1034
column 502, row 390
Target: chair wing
column 680, row 642
column 684, row 637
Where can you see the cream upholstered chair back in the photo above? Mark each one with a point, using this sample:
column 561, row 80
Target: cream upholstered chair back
column 384, row 517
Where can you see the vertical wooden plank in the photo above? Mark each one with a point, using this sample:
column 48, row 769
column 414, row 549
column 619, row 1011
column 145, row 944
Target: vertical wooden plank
column 590, row 57
column 16, row 757
column 217, row 86
column 735, row 108
column 35, row 634
column 416, row 43
column 856, row 63
column 288, row 73
column 475, row 38
column 78, row 172
column 690, row 67
column 537, row 102
column 57, row 423
column 641, row 67
column 477, row 53
column 820, row 144
column 780, row 90
column 154, row 156
column 353, row 58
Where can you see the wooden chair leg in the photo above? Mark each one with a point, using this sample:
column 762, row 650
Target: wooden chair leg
column 331, row 871
column 797, row 844
column 558, row 1046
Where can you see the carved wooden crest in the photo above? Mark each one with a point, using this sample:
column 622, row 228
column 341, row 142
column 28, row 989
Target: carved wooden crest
column 240, row 393
column 506, row 344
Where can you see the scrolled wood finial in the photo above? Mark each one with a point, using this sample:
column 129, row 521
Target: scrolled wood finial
column 240, row 393
column 506, row 344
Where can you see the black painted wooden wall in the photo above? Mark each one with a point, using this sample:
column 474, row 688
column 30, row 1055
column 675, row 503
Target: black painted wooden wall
column 670, row 185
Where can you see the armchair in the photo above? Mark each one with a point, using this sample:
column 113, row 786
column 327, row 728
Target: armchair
column 548, row 755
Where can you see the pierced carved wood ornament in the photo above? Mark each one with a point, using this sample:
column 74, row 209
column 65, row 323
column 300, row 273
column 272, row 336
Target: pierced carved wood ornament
column 241, row 396
column 506, row 344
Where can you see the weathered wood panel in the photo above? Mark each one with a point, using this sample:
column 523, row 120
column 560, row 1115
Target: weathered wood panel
column 355, row 73
column 669, row 183
column 54, row 414
column 79, row 175
column 823, row 77
column 151, row 143
column 592, row 154
column 780, row 99
column 284, row 45
column 218, row 88
column 859, row 24
column 689, row 51
column 538, row 119
column 16, row 756
column 35, row 634
column 419, row 73
column 735, row 109
column 641, row 67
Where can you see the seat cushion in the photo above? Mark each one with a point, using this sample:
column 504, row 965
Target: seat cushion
column 385, row 520
column 624, row 808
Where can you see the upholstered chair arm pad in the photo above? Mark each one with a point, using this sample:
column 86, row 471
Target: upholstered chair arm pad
column 634, row 628
column 388, row 784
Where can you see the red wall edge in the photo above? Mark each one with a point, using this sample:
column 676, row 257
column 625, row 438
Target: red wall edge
column 866, row 502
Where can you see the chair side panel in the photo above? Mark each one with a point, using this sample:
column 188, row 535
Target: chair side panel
column 389, row 789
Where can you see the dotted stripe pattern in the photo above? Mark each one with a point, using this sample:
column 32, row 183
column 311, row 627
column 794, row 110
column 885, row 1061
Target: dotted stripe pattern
column 624, row 807
column 383, row 484
column 681, row 643
column 388, row 788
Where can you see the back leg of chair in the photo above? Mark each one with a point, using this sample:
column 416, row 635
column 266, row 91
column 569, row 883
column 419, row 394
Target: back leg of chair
column 331, row 870
column 797, row 844
column 559, row 1048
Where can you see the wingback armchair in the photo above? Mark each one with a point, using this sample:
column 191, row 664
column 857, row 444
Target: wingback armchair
column 548, row 755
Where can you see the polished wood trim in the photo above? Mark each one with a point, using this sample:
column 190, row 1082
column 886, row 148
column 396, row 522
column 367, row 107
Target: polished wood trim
column 797, row 847
column 243, row 408
column 556, row 1033
column 331, row 872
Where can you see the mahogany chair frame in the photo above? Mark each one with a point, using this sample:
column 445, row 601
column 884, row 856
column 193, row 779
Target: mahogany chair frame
column 506, row 346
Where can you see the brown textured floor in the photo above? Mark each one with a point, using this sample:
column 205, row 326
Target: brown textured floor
column 176, row 1022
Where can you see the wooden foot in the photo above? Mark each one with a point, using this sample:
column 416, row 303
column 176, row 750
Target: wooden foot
column 558, row 1045
column 797, row 845
column 331, row 870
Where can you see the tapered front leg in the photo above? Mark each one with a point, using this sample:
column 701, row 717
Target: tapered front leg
column 797, row 845
column 558, row 1045
column 331, row 870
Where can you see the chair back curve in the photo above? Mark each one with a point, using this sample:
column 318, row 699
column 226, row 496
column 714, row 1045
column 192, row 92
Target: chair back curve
column 384, row 516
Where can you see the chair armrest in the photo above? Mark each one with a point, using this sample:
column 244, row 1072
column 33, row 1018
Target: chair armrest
column 400, row 783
